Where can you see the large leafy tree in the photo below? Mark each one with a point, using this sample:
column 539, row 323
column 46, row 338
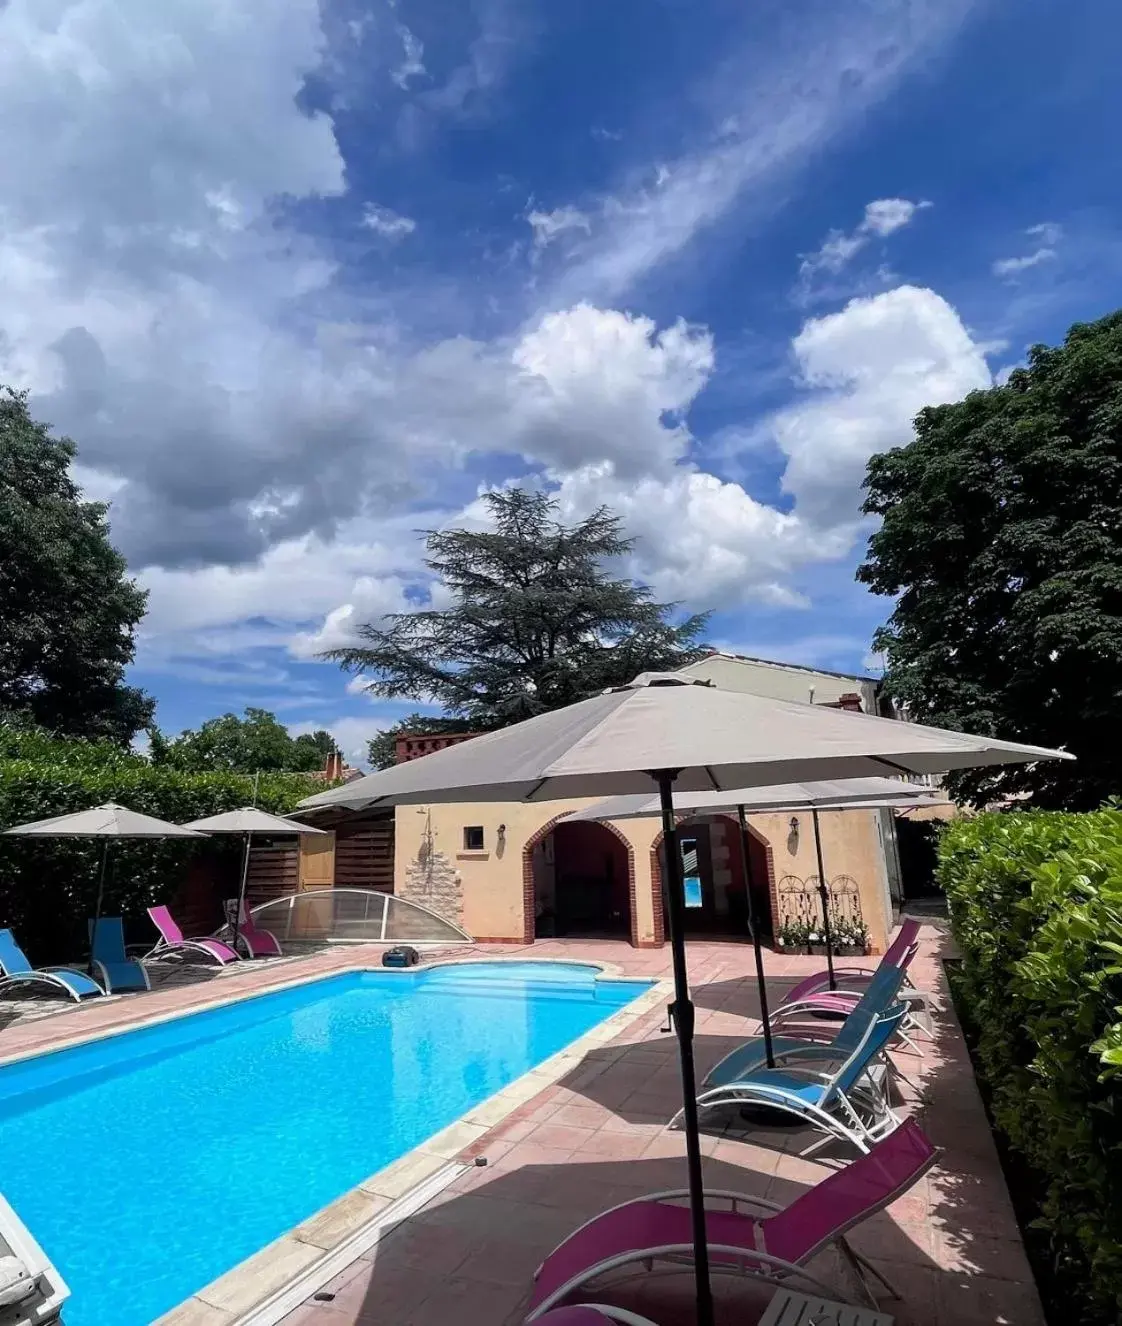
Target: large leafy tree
column 1001, row 535
column 256, row 742
column 536, row 620
column 67, row 608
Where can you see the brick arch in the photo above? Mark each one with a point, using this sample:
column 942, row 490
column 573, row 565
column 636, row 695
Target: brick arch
column 528, row 877
column 656, row 870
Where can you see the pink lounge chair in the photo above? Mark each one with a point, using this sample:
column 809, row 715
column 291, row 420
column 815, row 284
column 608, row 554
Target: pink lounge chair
column 856, row 979
column 774, row 1247
column 171, row 941
column 813, row 996
column 257, row 943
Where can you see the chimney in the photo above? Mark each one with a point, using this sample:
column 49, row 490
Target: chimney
column 333, row 767
column 851, row 702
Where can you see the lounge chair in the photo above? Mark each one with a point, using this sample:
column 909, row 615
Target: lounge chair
column 592, row 1314
column 118, row 972
column 15, row 970
column 840, row 1097
column 898, row 954
column 841, row 1002
column 257, row 943
column 814, row 1041
column 172, row 942
column 776, row 1246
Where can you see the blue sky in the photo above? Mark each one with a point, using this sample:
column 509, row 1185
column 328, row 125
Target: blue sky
column 302, row 279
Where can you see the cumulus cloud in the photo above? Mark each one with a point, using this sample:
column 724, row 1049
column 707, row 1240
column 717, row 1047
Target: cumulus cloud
column 1047, row 235
column 598, row 384
column 867, row 371
column 883, row 217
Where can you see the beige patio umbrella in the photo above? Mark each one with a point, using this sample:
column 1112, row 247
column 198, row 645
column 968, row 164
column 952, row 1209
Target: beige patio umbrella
column 107, row 822
column 247, row 821
column 857, row 793
column 680, row 735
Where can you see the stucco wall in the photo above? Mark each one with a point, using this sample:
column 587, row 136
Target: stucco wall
column 780, row 682
column 492, row 882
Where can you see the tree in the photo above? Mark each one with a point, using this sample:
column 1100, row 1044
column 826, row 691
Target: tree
column 1001, row 535
column 67, row 609
column 255, row 743
column 536, row 620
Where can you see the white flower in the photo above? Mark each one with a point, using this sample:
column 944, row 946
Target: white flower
column 813, row 937
column 780, row 942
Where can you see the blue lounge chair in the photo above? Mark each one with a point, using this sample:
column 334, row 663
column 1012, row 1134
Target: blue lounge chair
column 15, row 970
column 839, row 1096
column 816, row 1041
column 118, row 972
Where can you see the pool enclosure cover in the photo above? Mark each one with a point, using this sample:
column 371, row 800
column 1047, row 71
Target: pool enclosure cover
column 354, row 916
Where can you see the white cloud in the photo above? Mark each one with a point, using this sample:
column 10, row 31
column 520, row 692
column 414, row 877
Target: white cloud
column 548, row 226
column 883, row 217
column 412, row 65
column 1047, row 234
column 386, row 222
column 776, row 111
column 867, row 371
column 703, row 542
column 599, row 384
column 886, row 215
column 352, row 734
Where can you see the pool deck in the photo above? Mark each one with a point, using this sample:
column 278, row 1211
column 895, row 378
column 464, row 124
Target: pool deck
column 589, row 1132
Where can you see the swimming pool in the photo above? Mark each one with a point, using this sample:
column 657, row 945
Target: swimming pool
column 149, row 1163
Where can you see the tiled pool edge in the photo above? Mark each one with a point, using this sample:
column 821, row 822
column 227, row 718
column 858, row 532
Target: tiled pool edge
column 239, row 1296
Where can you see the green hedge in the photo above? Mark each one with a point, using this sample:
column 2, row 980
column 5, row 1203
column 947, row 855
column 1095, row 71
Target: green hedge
column 1036, row 906
column 48, row 885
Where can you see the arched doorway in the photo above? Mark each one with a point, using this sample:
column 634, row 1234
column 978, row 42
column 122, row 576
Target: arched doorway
column 583, row 882
column 713, row 863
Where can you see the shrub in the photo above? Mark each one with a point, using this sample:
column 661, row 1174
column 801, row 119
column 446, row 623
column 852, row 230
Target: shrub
column 48, row 886
column 1036, row 906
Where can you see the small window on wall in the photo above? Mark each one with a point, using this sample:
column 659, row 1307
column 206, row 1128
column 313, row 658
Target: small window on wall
column 473, row 838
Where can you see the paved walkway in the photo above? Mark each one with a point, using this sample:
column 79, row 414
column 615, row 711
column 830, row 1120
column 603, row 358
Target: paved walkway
column 598, row 1138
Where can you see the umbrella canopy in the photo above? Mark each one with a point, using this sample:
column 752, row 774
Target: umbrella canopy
column 247, row 821
column 829, row 795
column 690, row 737
column 107, row 821
column 715, row 739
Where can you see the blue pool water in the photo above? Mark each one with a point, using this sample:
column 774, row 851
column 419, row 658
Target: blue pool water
column 148, row 1163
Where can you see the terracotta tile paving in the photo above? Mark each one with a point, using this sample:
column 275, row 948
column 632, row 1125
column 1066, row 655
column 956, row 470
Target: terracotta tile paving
column 950, row 1245
column 598, row 1138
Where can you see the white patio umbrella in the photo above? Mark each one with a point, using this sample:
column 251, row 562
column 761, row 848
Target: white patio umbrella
column 247, row 821
column 107, row 822
column 856, row 794
column 681, row 735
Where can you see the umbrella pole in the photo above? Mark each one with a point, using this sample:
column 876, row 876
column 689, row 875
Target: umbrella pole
column 683, row 1025
column 241, row 892
column 761, row 981
column 97, row 905
column 824, row 893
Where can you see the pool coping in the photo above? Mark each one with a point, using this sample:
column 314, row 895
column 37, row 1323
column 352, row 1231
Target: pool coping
column 258, row 1289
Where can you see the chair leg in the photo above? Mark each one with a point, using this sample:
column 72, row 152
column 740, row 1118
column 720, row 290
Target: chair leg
column 860, row 1266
